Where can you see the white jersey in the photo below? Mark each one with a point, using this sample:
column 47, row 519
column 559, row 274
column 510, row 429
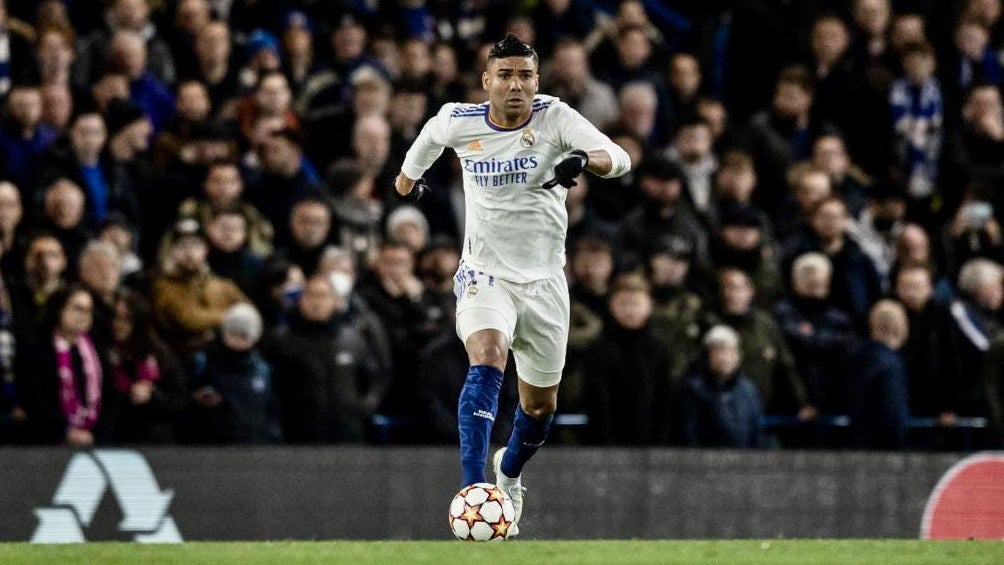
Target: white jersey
column 514, row 228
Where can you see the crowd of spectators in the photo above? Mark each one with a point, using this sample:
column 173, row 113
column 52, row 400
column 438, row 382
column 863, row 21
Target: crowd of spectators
column 200, row 242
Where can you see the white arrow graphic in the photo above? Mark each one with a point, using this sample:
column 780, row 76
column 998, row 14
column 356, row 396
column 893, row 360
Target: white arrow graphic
column 143, row 504
column 57, row 525
column 82, row 487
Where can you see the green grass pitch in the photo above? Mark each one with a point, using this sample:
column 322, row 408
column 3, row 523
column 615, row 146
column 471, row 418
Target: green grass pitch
column 773, row 552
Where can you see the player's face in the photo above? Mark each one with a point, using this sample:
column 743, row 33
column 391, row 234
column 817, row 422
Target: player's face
column 511, row 82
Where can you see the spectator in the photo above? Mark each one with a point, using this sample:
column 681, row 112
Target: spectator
column 271, row 98
column 123, row 16
column 44, row 269
column 855, row 281
column 229, row 256
column 837, row 82
column 733, row 186
column 829, row 153
column 190, row 302
column 19, row 63
column 235, row 393
column 917, row 120
column 975, row 152
column 692, row 152
column 809, row 185
column 61, row 377
column 876, row 230
column 766, row 358
column 976, row 324
column 127, row 54
column 664, row 212
column 929, row 353
column 974, row 230
column 84, row 160
column 782, row 134
column 818, row 334
column 408, row 225
column 146, row 375
column 223, row 189
column 569, row 77
column 676, row 308
column 309, row 232
column 876, row 383
column 741, row 243
column 591, row 270
column 403, row 306
column 720, row 405
column 437, row 267
column 297, row 40
column 626, row 369
column 639, row 104
column 214, row 67
column 176, row 143
column 100, row 274
column 357, row 212
column 334, row 367
column 23, row 138
column 57, row 106
column 129, row 132
column 11, row 216
column 63, row 216
column 684, row 85
column 283, row 180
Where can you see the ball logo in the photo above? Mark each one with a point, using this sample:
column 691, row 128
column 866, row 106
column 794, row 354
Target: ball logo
column 527, row 139
column 88, row 477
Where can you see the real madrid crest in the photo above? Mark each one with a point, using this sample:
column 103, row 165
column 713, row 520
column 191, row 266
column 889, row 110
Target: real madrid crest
column 527, row 139
column 472, row 290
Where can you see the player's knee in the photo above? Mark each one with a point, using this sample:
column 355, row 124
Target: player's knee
column 488, row 353
column 539, row 409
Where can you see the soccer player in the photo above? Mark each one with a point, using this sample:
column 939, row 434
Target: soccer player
column 515, row 151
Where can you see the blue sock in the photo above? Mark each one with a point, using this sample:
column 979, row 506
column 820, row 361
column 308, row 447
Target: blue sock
column 479, row 401
column 528, row 434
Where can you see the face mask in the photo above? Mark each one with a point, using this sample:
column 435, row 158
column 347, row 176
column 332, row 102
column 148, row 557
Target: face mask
column 342, row 283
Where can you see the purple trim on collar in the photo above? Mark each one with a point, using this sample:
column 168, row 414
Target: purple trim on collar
column 500, row 128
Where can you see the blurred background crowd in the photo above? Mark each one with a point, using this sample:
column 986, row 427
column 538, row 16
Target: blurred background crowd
column 200, row 242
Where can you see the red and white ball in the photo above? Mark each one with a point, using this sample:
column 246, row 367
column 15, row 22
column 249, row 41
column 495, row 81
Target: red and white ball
column 481, row 512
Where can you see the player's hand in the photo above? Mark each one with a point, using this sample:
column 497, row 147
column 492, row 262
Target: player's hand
column 417, row 191
column 569, row 168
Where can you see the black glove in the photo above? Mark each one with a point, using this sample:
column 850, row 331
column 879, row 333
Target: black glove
column 569, row 168
column 417, row 191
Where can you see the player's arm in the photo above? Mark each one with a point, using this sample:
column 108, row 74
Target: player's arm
column 424, row 151
column 591, row 150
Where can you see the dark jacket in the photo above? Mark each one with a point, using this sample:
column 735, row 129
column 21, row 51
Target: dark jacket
column 645, row 226
column 627, row 387
column 877, row 397
column 330, row 376
column 819, row 336
column 721, row 414
column 856, row 284
column 157, row 420
column 929, row 356
column 248, row 412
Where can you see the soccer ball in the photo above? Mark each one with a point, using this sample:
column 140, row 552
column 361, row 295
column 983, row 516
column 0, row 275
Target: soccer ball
column 481, row 512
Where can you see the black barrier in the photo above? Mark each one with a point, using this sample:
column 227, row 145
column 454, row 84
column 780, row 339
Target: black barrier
column 172, row 494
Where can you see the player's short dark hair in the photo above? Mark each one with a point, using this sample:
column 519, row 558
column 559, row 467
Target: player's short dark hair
column 510, row 46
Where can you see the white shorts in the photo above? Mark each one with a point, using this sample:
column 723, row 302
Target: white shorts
column 534, row 316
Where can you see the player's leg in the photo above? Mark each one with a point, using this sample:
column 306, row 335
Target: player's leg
column 539, row 348
column 487, row 351
column 486, row 320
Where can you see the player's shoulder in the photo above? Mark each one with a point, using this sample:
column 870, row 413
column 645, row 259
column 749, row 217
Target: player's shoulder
column 456, row 110
column 546, row 102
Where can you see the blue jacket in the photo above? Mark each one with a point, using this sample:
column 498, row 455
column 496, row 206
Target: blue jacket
column 877, row 398
column 717, row 414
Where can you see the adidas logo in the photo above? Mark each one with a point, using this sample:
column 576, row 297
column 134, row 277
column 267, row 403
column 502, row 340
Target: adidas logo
column 475, row 145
